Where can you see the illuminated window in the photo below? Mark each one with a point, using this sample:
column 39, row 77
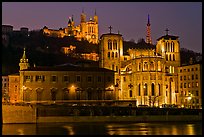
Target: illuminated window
column 189, row 85
column 40, row 78
column 159, row 65
column 151, row 65
column 145, row 89
column 196, row 84
column 189, row 77
column 145, row 66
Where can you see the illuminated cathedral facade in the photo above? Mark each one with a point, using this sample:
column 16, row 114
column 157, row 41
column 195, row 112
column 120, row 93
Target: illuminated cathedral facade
column 86, row 30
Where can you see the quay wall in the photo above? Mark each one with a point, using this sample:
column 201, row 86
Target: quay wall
column 159, row 118
column 18, row 114
column 29, row 114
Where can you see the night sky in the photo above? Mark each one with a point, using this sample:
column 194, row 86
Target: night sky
column 183, row 19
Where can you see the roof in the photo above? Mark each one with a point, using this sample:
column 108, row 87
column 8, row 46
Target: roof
column 107, row 34
column 67, row 68
column 168, row 37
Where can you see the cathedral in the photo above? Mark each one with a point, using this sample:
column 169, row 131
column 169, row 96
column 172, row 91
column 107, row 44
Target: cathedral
column 86, row 30
column 148, row 75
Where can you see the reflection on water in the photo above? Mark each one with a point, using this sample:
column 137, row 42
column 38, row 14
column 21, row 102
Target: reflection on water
column 155, row 128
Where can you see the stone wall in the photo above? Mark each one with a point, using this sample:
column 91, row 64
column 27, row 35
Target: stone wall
column 18, row 114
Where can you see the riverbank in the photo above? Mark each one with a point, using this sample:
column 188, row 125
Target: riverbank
column 50, row 114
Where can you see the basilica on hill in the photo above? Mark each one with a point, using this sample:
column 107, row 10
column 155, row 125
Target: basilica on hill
column 150, row 75
column 87, row 30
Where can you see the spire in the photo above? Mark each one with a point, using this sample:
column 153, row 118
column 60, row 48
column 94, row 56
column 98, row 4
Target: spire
column 82, row 10
column 148, row 22
column 23, row 59
column 72, row 17
column 95, row 12
column 148, row 36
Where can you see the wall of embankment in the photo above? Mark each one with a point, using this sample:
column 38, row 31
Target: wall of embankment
column 28, row 114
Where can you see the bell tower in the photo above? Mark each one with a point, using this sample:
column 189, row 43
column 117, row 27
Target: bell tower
column 24, row 62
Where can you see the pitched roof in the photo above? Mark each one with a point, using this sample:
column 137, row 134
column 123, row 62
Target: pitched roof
column 168, row 37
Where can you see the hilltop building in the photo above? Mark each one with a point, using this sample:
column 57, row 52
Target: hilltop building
column 87, row 30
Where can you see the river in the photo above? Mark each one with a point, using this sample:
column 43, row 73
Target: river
column 124, row 128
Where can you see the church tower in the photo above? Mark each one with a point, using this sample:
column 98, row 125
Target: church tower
column 148, row 37
column 169, row 47
column 111, row 51
column 24, row 62
column 110, row 56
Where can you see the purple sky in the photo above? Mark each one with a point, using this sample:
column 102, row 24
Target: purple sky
column 183, row 19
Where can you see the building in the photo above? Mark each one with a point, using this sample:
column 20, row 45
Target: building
column 149, row 74
column 190, row 85
column 86, row 30
column 66, row 82
column 5, row 88
column 14, row 88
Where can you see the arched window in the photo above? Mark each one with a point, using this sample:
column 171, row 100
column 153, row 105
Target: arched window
column 130, row 93
column 145, row 89
column 113, row 66
column 153, row 89
column 112, row 54
column 108, row 54
column 172, row 46
column 115, row 44
column 159, row 65
column 159, row 89
column 166, row 46
column 166, row 57
column 169, row 57
column 145, row 66
column 151, row 65
column 110, row 44
column 173, row 57
column 139, row 90
column 116, row 55
column 139, row 67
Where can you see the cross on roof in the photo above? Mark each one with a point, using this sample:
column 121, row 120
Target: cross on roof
column 167, row 31
column 110, row 28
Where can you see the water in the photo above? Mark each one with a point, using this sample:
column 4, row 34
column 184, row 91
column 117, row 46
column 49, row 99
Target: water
column 155, row 128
